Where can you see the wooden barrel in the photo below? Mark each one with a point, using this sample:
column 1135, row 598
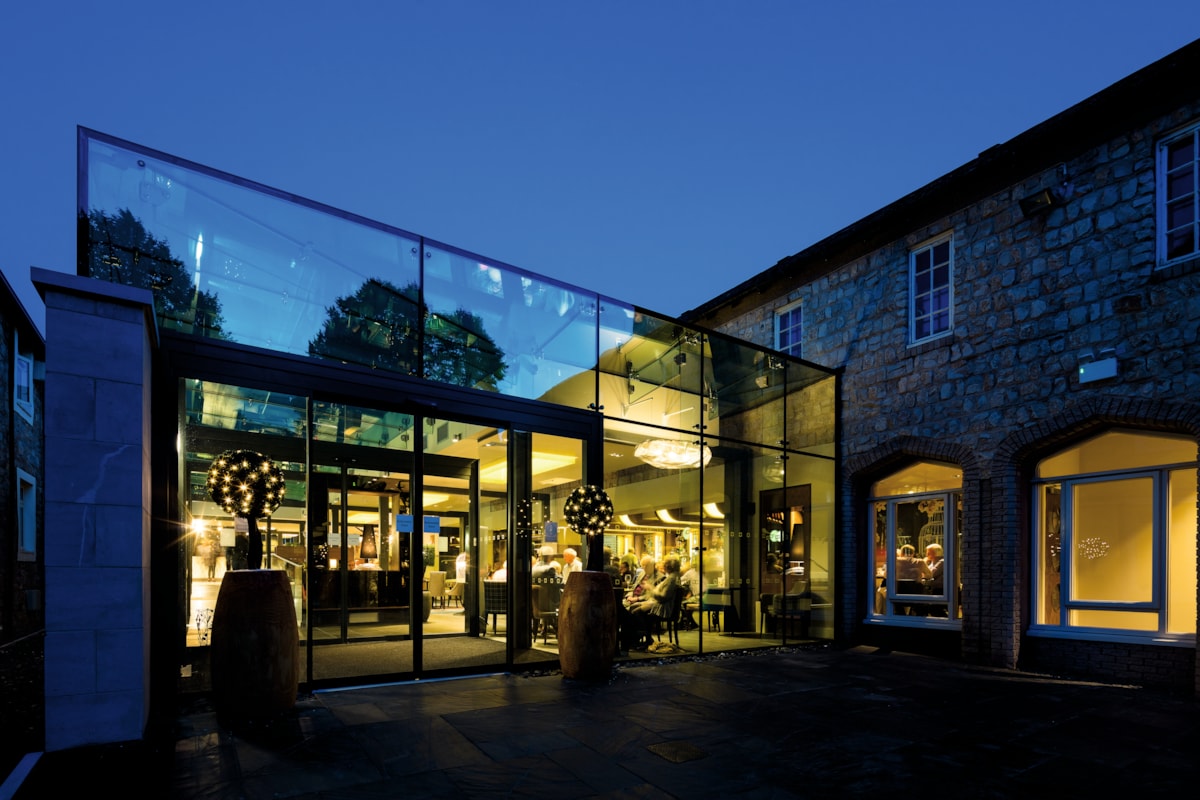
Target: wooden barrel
column 587, row 626
column 255, row 651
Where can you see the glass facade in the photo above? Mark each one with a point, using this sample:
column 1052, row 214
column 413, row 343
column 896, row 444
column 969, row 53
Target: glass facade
column 446, row 407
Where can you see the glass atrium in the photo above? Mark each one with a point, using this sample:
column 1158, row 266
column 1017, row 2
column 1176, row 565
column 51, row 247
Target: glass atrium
column 415, row 395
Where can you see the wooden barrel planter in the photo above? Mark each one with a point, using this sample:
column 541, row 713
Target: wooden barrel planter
column 255, row 651
column 587, row 626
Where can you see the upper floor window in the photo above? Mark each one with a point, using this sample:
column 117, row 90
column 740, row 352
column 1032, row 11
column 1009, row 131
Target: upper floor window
column 788, row 327
column 23, row 386
column 915, row 568
column 930, row 274
column 1115, row 539
column 26, row 516
column 1179, row 196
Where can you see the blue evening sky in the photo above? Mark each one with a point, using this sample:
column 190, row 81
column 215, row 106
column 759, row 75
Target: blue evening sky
column 659, row 151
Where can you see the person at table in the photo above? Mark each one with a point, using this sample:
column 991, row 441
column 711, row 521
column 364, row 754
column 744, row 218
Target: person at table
column 908, row 568
column 655, row 605
column 544, row 568
column 645, row 568
column 571, row 563
column 934, row 564
column 626, row 568
column 692, row 586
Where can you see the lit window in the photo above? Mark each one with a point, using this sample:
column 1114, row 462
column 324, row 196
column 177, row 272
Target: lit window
column 1179, row 196
column 26, row 516
column 930, row 273
column 23, row 386
column 915, row 570
column 788, row 329
column 1115, row 538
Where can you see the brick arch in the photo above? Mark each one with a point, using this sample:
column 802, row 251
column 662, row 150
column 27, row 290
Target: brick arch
column 858, row 473
column 1013, row 463
column 1089, row 416
column 894, row 453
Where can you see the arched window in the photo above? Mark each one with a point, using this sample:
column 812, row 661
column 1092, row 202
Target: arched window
column 915, row 564
column 1115, row 539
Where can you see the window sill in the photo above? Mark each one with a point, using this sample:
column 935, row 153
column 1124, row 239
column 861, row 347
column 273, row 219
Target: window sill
column 1125, row 637
column 925, row 623
column 929, row 345
column 1177, row 269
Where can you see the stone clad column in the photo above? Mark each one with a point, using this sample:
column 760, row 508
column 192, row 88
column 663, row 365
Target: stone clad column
column 99, row 341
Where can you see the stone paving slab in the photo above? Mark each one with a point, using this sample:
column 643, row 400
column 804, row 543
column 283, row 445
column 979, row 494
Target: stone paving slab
column 811, row 721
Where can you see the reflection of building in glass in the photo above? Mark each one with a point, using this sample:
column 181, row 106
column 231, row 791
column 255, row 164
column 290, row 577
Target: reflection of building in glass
column 414, row 397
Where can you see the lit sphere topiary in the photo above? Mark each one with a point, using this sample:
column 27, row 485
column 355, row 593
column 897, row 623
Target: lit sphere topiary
column 246, row 484
column 588, row 510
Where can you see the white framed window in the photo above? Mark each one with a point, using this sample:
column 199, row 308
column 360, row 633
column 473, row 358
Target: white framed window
column 1114, row 553
column 1178, row 195
column 915, row 573
column 788, row 329
column 26, row 516
column 931, row 296
column 23, row 386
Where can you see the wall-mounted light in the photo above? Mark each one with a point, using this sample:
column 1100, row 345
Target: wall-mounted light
column 1040, row 202
column 1097, row 369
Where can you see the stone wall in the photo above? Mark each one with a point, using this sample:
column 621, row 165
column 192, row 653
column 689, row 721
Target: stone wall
column 21, row 598
column 98, row 522
column 1033, row 298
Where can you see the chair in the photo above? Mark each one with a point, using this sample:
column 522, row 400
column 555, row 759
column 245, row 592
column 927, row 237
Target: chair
column 713, row 602
column 437, row 587
column 672, row 611
column 547, row 595
column 495, row 602
column 454, row 593
column 764, row 610
column 787, row 607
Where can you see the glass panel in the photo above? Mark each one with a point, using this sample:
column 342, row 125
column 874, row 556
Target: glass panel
column 661, row 378
column 1181, row 552
column 496, row 328
column 1112, row 542
column 238, row 408
column 1122, row 620
column 358, row 587
column 1119, row 450
column 220, row 418
column 810, row 410
column 231, row 261
column 1049, row 599
column 1180, row 184
column 745, row 391
column 919, row 477
column 1181, row 244
column 342, row 424
column 1180, row 152
column 1181, row 213
column 378, row 326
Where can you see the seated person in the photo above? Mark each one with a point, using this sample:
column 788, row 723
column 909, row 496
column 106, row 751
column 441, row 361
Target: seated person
column 544, row 568
column 655, row 605
column 934, row 564
column 908, row 568
column 692, row 589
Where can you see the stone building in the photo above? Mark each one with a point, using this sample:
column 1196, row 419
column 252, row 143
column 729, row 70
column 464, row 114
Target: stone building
column 1018, row 342
column 22, row 354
